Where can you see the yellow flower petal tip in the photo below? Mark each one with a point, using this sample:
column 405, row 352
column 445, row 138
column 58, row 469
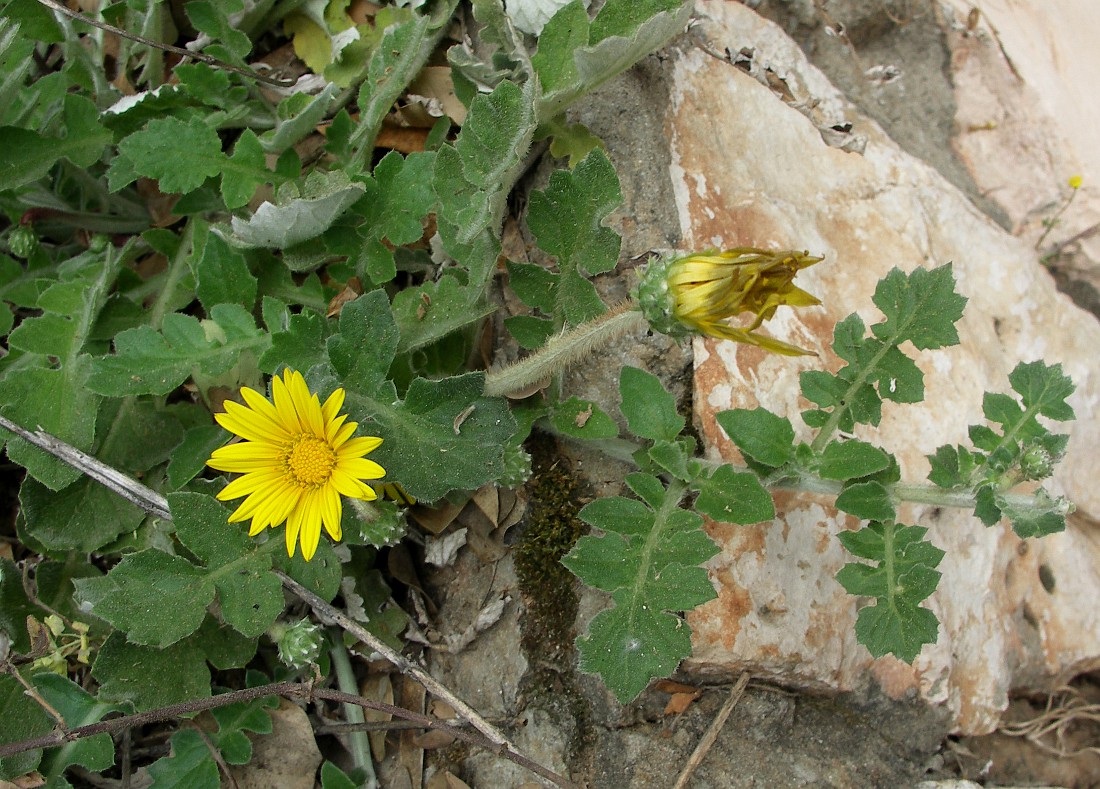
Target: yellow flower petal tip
column 296, row 460
column 1075, row 181
column 699, row 293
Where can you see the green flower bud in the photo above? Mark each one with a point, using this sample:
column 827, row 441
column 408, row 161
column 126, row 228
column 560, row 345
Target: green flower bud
column 299, row 643
column 1036, row 463
column 23, row 241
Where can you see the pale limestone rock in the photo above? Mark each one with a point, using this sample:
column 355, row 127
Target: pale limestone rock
column 751, row 168
column 1028, row 110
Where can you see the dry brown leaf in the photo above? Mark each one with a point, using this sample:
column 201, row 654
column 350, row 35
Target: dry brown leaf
column 442, row 710
column 434, row 82
column 487, row 499
column 377, row 687
column 435, row 519
column 362, row 11
column 679, row 702
column 350, row 293
column 411, row 696
column 671, row 686
column 28, row 781
column 400, row 138
column 433, row 739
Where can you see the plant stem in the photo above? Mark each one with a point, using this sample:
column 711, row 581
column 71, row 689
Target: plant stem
column 564, row 351
column 358, row 741
column 177, row 269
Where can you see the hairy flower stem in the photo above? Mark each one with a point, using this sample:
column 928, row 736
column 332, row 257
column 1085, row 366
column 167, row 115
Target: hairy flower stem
column 564, row 351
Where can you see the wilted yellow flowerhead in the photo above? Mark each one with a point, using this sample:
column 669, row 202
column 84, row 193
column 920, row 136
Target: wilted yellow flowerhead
column 701, row 292
column 297, row 459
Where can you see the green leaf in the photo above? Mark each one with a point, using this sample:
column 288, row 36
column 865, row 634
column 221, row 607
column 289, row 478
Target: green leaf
column 867, row 501
column 251, row 596
column 15, row 607
column 332, row 777
column 1046, row 515
column 294, row 127
column 952, row 467
column 530, row 332
column 563, row 35
column 223, row 646
column 190, row 456
column 83, row 517
column 51, row 392
column 567, row 219
column 244, row 172
column 622, row 33
column 443, row 436
column 398, row 198
column 296, row 218
column 472, row 178
column 434, row 310
column 23, row 719
column 299, row 344
column 649, row 409
column 221, row 273
column 1044, row 388
column 759, row 434
column 26, row 155
column 534, row 285
column 851, row 460
column 155, row 598
column 583, row 419
column 629, row 649
column 673, row 457
column 78, row 708
column 649, row 560
column 150, row 362
column 921, row 307
column 729, row 496
column 179, row 155
column 986, row 508
column 903, row 630
column 149, row 677
column 573, row 140
column 204, row 82
column 903, row 575
column 402, row 51
column 213, row 19
column 190, row 764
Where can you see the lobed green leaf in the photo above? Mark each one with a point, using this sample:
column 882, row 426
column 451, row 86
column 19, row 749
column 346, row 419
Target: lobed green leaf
column 649, row 409
column 567, row 219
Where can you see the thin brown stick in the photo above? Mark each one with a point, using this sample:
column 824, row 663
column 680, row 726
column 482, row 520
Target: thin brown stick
column 184, row 53
column 711, row 736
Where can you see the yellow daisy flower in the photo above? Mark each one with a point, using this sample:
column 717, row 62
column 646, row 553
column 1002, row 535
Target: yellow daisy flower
column 297, row 459
column 701, row 292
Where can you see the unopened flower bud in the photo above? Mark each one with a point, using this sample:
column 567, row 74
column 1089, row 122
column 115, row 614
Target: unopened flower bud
column 681, row 294
column 299, row 642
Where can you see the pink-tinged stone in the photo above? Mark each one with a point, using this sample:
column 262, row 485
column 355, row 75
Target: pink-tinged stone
column 751, row 169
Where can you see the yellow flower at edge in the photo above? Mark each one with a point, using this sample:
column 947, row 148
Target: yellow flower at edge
column 1075, row 181
column 297, row 458
column 701, row 292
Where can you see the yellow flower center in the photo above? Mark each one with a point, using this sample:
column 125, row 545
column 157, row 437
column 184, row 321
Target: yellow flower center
column 309, row 461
